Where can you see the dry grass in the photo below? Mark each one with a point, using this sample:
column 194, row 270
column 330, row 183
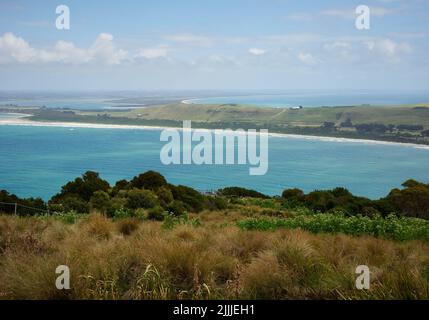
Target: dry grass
column 128, row 259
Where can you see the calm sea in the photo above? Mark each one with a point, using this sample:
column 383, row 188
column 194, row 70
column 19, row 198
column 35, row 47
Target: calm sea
column 37, row 161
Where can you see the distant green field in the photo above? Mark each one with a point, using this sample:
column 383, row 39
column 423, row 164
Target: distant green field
column 411, row 114
column 406, row 123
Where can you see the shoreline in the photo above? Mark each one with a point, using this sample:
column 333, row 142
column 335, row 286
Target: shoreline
column 22, row 121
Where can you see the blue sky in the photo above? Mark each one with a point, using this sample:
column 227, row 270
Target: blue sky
column 214, row 44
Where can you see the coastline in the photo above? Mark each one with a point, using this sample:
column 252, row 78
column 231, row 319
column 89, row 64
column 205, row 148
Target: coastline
column 22, row 121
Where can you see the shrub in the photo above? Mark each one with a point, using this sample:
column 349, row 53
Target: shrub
column 171, row 221
column 320, row 201
column 413, row 201
column 176, row 208
column 56, row 208
column 141, row 199
column 83, row 187
column 241, row 192
column 120, row 185
column 140, row 213
column 165, row 196
column 116, row 204
column 149, row 180
column 70, row 217
column 156, row 213
column 100, row 201
column 293, row 194
column 392, row 227
column 215, row 203
column 190, row 198
column 123, row 213
column 74, row 203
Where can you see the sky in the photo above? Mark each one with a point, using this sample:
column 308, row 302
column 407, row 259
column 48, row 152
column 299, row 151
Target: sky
column 214, row 44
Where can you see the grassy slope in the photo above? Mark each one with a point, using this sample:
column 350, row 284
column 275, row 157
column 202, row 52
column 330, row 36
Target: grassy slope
column 127, row 259
column 307, row 121
column 307, row 116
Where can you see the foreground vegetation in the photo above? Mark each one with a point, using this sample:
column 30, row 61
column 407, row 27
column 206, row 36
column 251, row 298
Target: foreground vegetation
column 150, row 196
column 211, row 259
column 148, row 239
column 392, row 227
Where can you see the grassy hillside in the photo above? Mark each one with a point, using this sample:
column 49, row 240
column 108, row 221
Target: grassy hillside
column 214, row 259
column 413, row 114
column 148, row 239
column 408, row 124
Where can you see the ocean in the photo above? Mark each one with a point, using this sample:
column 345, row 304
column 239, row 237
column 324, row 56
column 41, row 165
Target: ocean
column 285, row 99
column 37, row 161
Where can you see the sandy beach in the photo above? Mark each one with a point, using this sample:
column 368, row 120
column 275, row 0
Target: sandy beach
column 22, row 120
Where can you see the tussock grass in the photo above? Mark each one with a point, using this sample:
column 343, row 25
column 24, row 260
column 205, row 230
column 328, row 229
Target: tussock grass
column 131, row 259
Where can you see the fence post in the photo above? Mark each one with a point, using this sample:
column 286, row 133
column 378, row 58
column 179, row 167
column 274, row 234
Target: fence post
column 16, row 208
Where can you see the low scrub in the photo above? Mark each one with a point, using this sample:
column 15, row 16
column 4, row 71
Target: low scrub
column 391, row 227
column 131, row 259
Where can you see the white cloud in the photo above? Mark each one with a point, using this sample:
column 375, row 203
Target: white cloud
column 307, row 58
column 389, row 48
column 153, row 53
column 366, row 49
column 351, row 13
column 16, row 49
column 103, row 50
column 257, row 51
column 341, row 50
column 190, row 39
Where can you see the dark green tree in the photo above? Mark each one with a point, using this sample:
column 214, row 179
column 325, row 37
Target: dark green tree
column 149, row 180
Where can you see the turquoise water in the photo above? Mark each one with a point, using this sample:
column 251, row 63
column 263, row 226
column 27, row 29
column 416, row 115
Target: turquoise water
column 37, row 161
column 71, row 103
column 321, row 99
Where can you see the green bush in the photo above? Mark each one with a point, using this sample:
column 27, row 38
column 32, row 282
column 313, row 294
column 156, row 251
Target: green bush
column 67, row 217
column 171, row 221
column 293, row 194
column 391, row 227
column 123, row 213
column 190, row 198
column 176, row 208
column 116, row 203
column 165, row 196
column 75, row 203
column 157, row 213
column 149, row 180
column 100, row 201
column 241, row 192
column 83, row 187
column 215, row 203
column 137, row 198
column 413, row 201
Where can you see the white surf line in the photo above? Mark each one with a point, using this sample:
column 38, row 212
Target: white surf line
column 22, row 121
column 187, row 101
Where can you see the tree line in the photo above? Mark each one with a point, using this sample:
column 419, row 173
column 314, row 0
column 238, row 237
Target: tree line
column 150, row 195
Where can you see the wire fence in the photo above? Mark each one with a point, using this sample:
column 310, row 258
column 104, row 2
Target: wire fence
column 20, row 209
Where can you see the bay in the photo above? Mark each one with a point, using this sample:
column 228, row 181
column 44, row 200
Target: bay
column 37, row 161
